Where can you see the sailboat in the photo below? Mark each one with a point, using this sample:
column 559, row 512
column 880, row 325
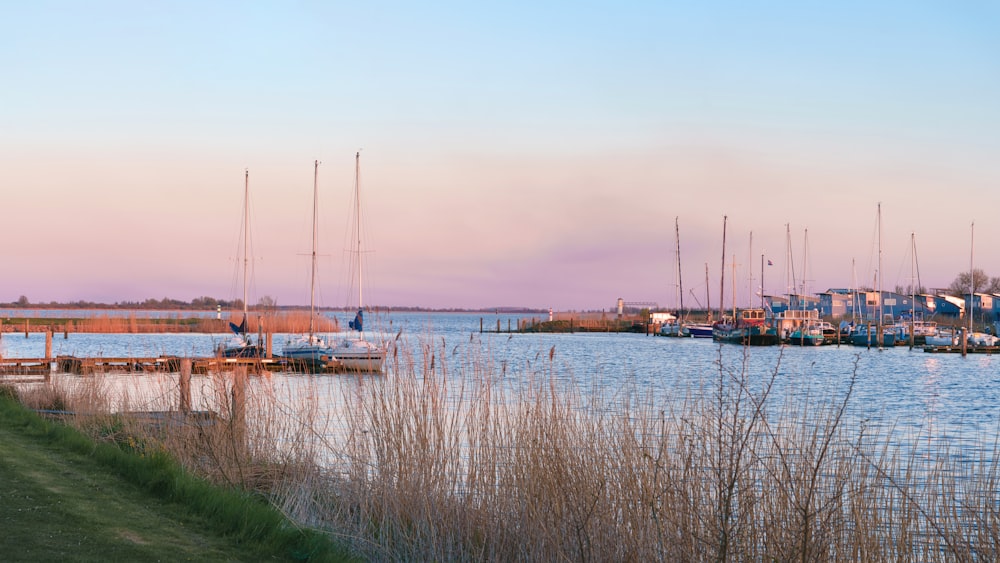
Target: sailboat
column 310, row 351
column 863, row 335
column 975, row 339
column 354, row 352
column 675, row 326
column 809, row 329
column 241, row 345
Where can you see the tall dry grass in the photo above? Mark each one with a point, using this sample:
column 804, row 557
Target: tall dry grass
column 453, row 463
column 449, row 458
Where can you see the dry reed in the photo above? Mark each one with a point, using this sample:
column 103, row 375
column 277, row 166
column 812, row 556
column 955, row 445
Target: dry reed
column 137, row 323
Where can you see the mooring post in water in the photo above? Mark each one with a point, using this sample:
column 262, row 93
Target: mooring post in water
column 66, row 331
column 238, row 409
column 508, row 326
column 498, row 326
column 870, row 336
column 48, row 345
column 26, row 321
column 480, row 325
column 965, row 341
column 270, row 346
column 185, row 385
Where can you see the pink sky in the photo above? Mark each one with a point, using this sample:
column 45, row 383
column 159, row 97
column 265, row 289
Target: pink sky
column 505, row 162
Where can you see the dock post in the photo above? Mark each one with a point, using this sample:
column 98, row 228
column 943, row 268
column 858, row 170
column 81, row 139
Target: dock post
column 498, row 326
column 965, row 342
column 185, row 385
column 480, row 325
column 870, row 336
column 48, row 345
column 26, row 321
column 508, row 326
column 237, row 413
column 66, row 331
column 270, row 346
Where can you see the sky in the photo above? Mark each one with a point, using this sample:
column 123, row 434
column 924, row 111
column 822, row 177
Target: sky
column 534, row 154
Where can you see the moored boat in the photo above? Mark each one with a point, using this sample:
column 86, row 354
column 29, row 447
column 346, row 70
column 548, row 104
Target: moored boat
column 699, row 330
column 242, row 344
column 982, row 340
column 355, row 353
column 807, row 335
column 310, row 352
column 862, row 336
column 942, row 337
column 751, row 329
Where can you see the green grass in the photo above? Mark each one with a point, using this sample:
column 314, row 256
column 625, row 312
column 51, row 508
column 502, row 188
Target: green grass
column 65, row 497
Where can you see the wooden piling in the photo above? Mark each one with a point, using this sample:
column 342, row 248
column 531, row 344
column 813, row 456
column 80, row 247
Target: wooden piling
column 869, row 336
column 48, row 345
column 238, row 408
column 269, row 346
column 965, row 342
column 26, row 321
column 480, row 325
column 185, row 385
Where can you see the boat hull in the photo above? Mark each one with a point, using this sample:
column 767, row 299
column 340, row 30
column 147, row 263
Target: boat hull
column 745, row 337
column 806, row 339
column 312, row 358
column 359, row 355
column 888, row 339
column 699, row 331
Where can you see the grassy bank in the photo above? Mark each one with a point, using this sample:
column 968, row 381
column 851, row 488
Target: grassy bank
column 65, row 497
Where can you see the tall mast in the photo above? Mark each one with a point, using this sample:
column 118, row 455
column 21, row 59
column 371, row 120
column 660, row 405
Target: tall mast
column 722, row 276
column 972, row 274
column 357, row 223
column 680, row 281
column 708, row 298
column 762, row 281
column 315, row 240
column 790, row 264
column 246, row 242
column 734, row 289
column 750, row 272
column 855, row 298
column 805, row 265
column 913, row 289
column 878, row 278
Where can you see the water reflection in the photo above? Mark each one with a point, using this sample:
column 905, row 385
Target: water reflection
column 920, row 399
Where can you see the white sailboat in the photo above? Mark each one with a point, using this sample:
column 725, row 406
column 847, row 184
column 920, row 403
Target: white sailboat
column 310, row 351
column 354, row 352
column 241, row 345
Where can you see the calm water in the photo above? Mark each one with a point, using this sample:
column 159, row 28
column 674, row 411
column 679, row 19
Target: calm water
column 917, row 395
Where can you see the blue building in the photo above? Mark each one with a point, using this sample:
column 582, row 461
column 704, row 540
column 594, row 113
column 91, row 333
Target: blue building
column 943, row 306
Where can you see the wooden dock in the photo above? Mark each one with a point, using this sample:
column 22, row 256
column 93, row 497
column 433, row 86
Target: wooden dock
column 958, row 349
column 18, row 369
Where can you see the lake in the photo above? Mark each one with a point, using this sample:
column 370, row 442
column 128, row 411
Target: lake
column 923, row 398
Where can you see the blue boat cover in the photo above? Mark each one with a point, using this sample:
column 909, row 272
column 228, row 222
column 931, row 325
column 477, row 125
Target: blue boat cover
column 358, row 322
column 239, row 329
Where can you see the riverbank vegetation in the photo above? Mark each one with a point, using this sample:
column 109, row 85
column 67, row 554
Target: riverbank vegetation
column 65, row 496
column 457, row 457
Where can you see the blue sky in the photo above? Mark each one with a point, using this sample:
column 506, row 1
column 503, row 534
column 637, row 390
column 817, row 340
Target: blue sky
column 517, row 154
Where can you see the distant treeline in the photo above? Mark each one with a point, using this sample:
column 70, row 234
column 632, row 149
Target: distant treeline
column 212, row 303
